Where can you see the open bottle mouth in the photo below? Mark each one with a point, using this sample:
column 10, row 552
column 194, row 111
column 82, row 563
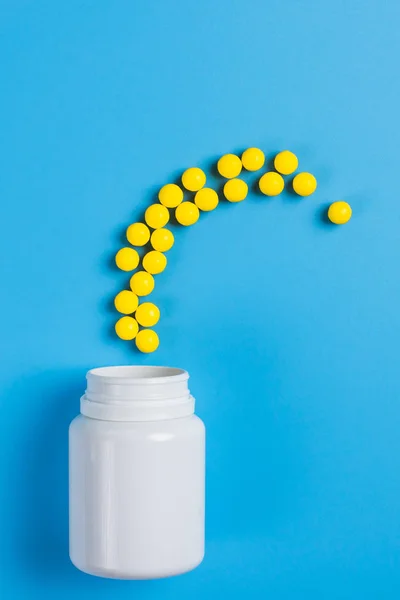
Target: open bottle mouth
column 137, row 393
column 134, row 373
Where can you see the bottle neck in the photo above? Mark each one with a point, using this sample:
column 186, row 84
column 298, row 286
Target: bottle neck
column 137, row 394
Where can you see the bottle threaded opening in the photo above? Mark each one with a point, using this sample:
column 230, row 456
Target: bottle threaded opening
column 132, row 373
column 137, row 393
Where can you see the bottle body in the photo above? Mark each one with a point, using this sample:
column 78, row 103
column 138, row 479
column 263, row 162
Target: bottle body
column 137, row 496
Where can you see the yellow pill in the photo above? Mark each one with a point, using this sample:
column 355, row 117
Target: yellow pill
column 127, row 259
column 253, row 159
column 271, row 183
column 147, row 314
column 142, row 283
column 187, row 213
column 156, row 216
column 229, row 166
column 193, row 179
column 126, row 328
column 170, row 195
column 206, row 199
column 147, row 341
column 126, row 302
column 162, row 239
column 154, row 262
column 235, row 190
column 339, row 213
column 286, row 162
column 304, row 184
column 138, row 234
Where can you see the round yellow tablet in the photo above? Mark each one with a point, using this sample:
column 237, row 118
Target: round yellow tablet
column 187, row 213
column 339, row 212
column 286, row 162
column 147, row 314
column 127, row 259
column 193, row 179
column 138, row 234
column 126, row 302
column 162, row 239
column 271, row 183
column 170, row 195
column 304, row 184
column 253, row 159
column 156, row 216
column 154, row 262
column 142, row 283
column 229, row 166
column 235, row 190
column 147, row 341
column 126, row 328
column 206, row 199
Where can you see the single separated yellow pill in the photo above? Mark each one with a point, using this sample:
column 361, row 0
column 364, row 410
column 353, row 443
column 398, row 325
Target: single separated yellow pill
column 339, row 212
column 142, row 283
column 138, row 234
column 271, row 183
column 170, row 195
column 206, row 199
column 127, row 259
column 187, row 213
column 162, row 239
column 235, row 190
column 156, row 216
column 229, row 166
column 154, row 262
column 253, row 159
column 286, row 162
column 147, row 341
column 304, row 184
column 147, row 314
column 126, row 328
column 126, row 302
column 193, row 179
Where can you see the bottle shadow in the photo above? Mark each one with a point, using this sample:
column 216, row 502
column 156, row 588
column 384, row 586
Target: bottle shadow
column 40, row 496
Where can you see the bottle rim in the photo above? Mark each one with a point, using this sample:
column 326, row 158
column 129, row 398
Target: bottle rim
column 129, row 374
column 137, row 393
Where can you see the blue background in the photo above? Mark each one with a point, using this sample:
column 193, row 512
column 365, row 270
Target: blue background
column 289, row 327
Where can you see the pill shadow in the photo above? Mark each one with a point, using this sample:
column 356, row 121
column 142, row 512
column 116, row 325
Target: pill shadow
column 269, row 162
column 254, row 187
column 210, row 168
column 289, row 193
column 321, row 217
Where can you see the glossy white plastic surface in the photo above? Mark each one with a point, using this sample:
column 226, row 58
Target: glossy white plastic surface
column 137, row 486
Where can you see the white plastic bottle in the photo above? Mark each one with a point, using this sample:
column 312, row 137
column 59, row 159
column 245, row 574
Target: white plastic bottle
column 137, row 466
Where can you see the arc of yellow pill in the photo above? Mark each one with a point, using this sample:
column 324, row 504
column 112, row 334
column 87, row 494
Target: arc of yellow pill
column 171, row 197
